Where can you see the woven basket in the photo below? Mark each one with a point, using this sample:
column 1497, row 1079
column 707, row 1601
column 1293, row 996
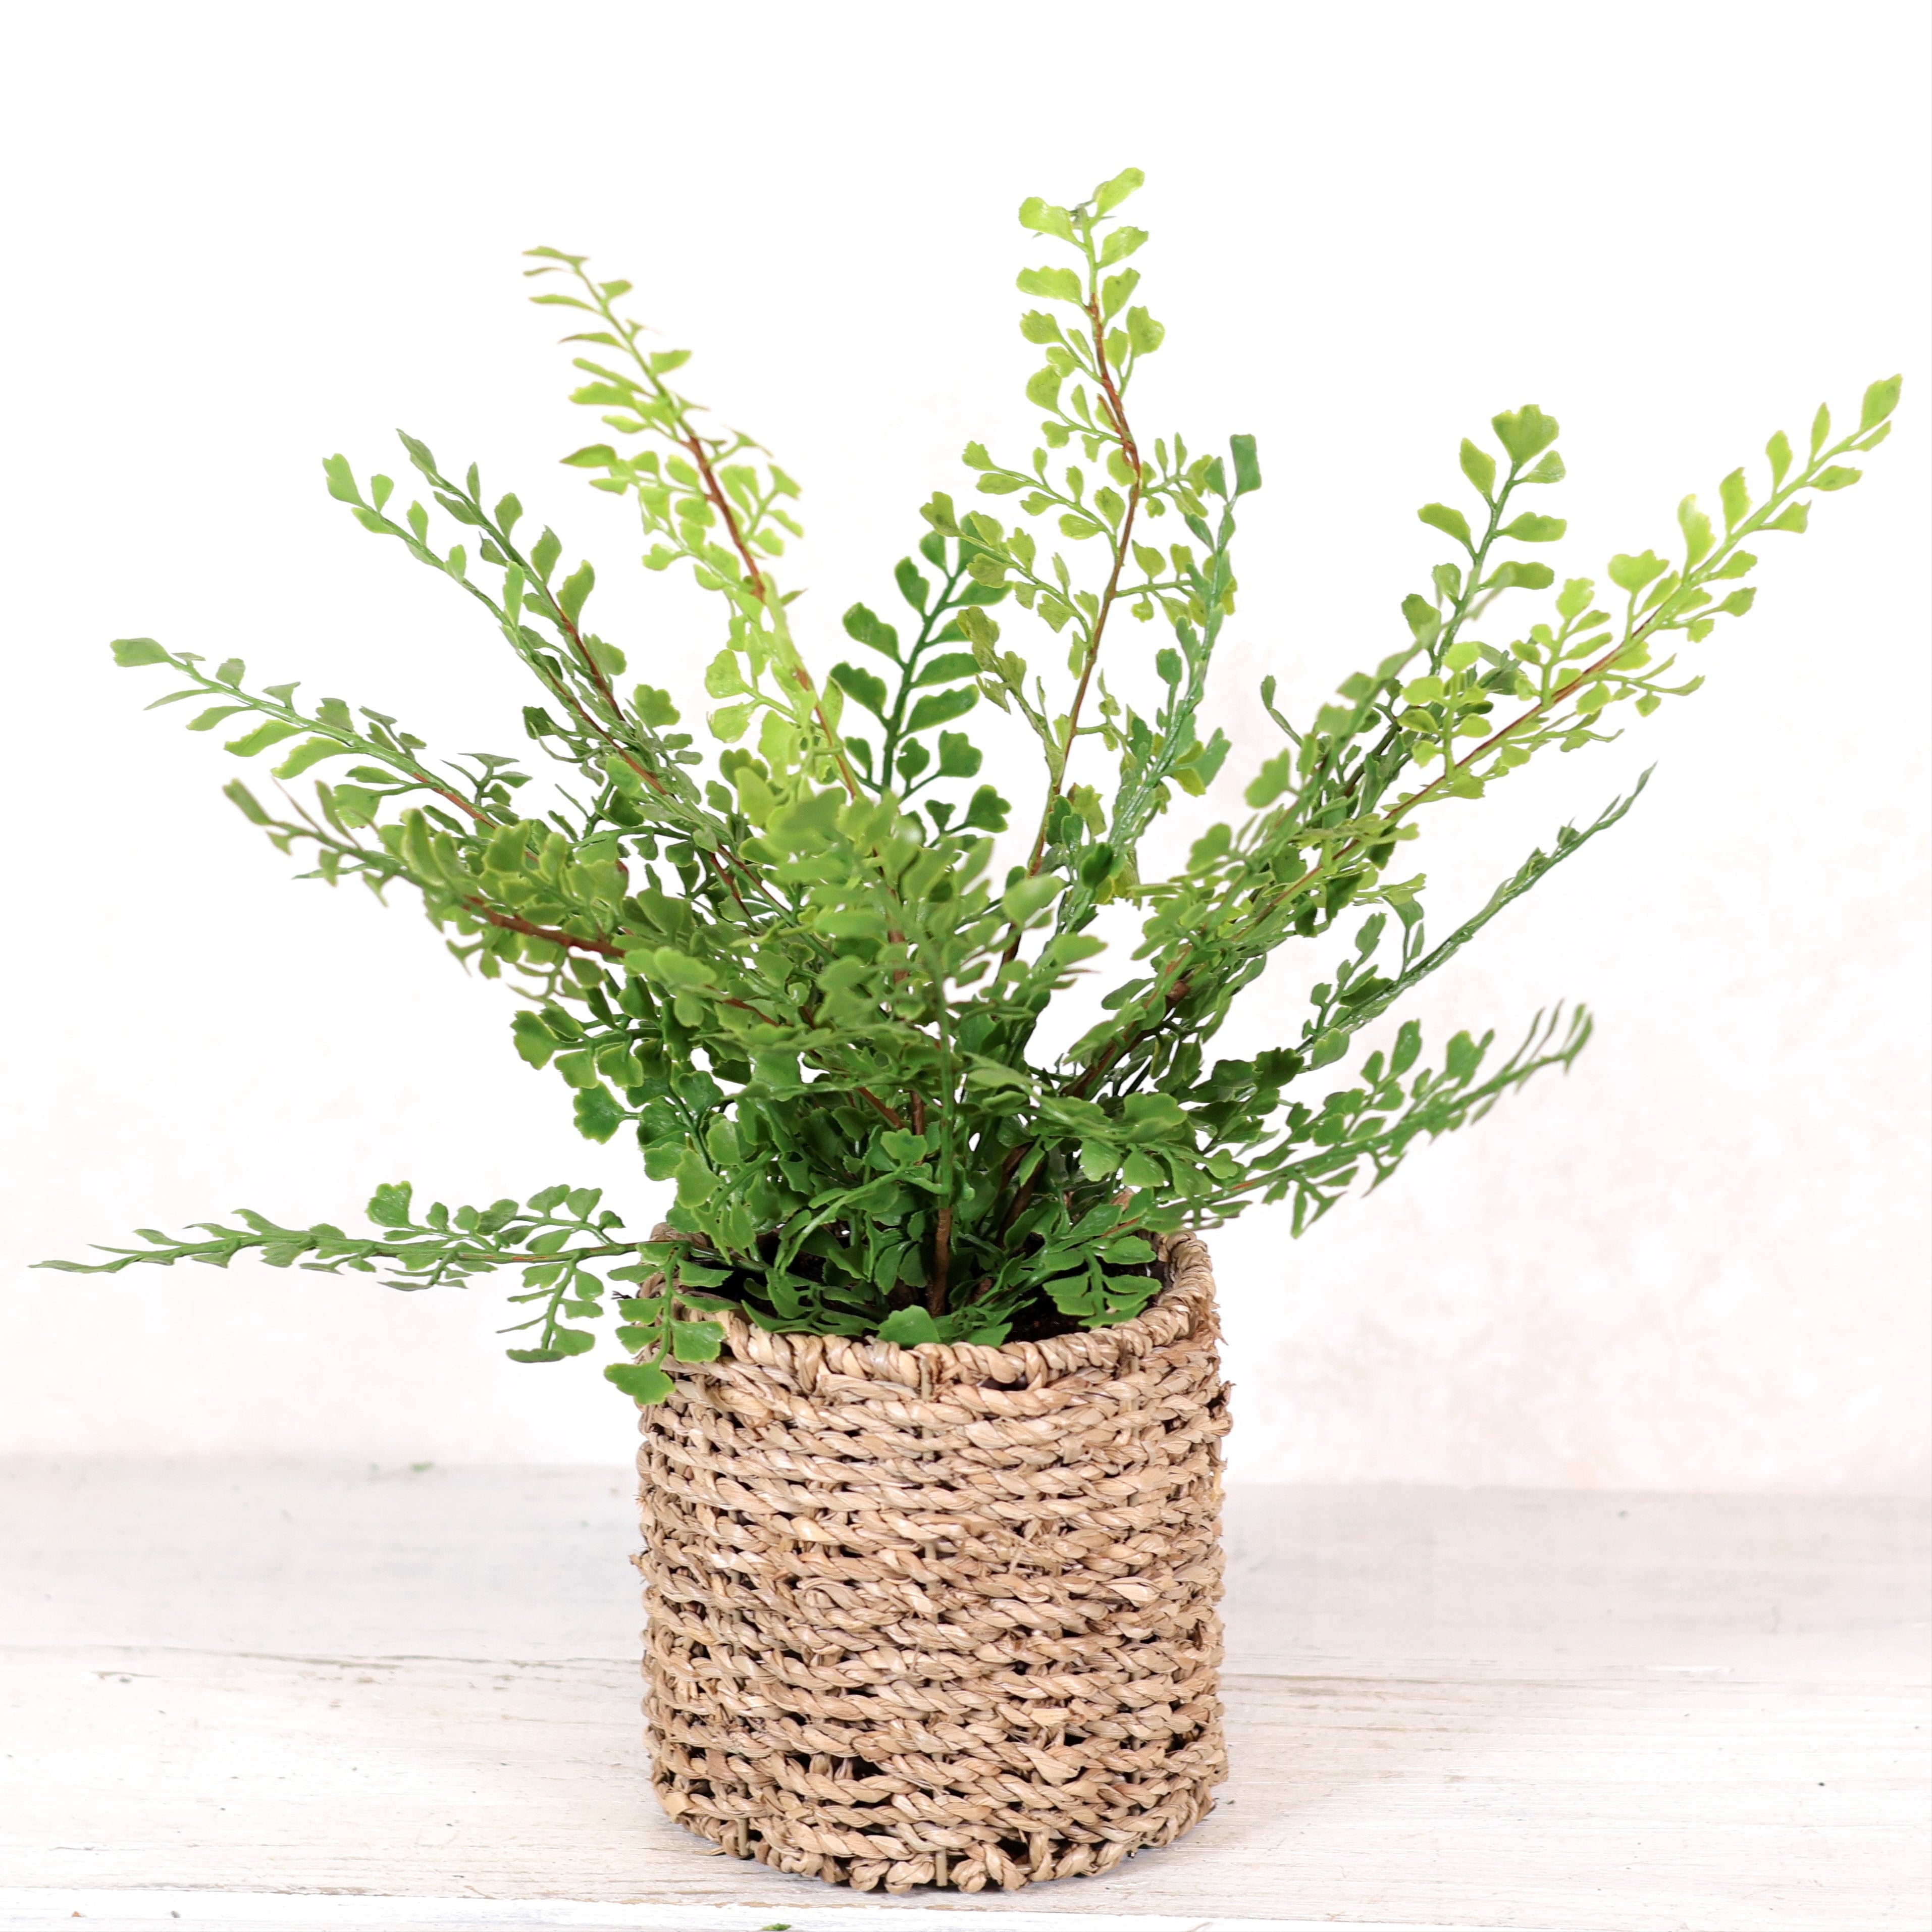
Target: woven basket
column 942, row 1615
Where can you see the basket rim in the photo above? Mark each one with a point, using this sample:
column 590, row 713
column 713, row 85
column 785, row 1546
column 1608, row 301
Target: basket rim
column 1183, row 1309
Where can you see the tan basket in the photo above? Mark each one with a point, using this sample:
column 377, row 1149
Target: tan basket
column 942, row 1615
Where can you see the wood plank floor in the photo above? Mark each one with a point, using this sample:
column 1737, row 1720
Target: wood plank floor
column 1568, row 1711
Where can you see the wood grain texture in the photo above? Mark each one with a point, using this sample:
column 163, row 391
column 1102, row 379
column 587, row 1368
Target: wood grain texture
column 1517, row 1709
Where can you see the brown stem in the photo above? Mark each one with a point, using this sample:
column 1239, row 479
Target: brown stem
column 1021, row 1201
column 591, row 665
column 1116, row 414
column 892, row 1118
column 462, row 804
column 510, row 921
column 1121, row 1046
column 1087, row 669
column 942, row 1261
column 694, row 444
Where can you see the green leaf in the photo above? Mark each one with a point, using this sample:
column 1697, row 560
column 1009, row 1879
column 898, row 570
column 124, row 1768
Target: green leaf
column 270, row 731
column 1271, row 781
column 1452, row 523
column 1479, row 466
column 1408, row 1045
column 988, row 811
column 1423, row 622
column 864, row 627
column 1735, row 493
column 1144, row 333
column 599, row 1116
column 1530, row 528
column 1122, row 243
column 1633, row 573
column 1099, row 1158
column 1513, row 574
column 639, row 1381
column 1880, row 400
column 1029, row 897
column 909, row 1327
column 1110, row 194
column 130, row 652
column 341, row 479
column 676, row 969
column 1055, row 284
column 311, row 751
column 1042, row 388
column 959, row 758
column 949, row 667
column 912, row 586
column 1838, row 476
column 1698, row 535
column 579, row 1068
column 1327, row 1047
column 696, row 1341
column 535, row 1041
column 1524, row 432
column 1247, row 465
column 862, row 686
column 575, row 588
column 1043, row 217
column 941, row 707
column 243, row 800
column 389, row 1205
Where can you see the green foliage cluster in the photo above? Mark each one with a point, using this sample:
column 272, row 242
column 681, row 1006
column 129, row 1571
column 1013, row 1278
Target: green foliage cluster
column 810, row 982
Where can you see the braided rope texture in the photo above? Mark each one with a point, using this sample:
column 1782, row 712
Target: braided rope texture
column 943, row 1615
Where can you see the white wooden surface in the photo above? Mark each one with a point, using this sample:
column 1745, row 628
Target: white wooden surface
column 256, row 1688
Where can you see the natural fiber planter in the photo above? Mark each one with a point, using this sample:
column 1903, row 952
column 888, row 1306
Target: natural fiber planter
column 942, row 1615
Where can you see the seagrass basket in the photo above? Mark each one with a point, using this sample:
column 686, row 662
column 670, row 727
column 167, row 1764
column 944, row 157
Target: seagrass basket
column 941, row 1615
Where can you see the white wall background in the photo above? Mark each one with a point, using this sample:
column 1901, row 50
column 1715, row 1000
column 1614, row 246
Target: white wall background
column 244, row 237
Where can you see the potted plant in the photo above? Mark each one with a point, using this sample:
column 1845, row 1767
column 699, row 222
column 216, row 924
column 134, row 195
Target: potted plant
column 925, row 1348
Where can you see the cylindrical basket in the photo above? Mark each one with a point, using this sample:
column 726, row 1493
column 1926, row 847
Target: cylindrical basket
column 940, row 1615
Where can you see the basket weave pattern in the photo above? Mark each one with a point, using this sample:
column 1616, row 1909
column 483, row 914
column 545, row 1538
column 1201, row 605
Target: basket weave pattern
column 943, row 1616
